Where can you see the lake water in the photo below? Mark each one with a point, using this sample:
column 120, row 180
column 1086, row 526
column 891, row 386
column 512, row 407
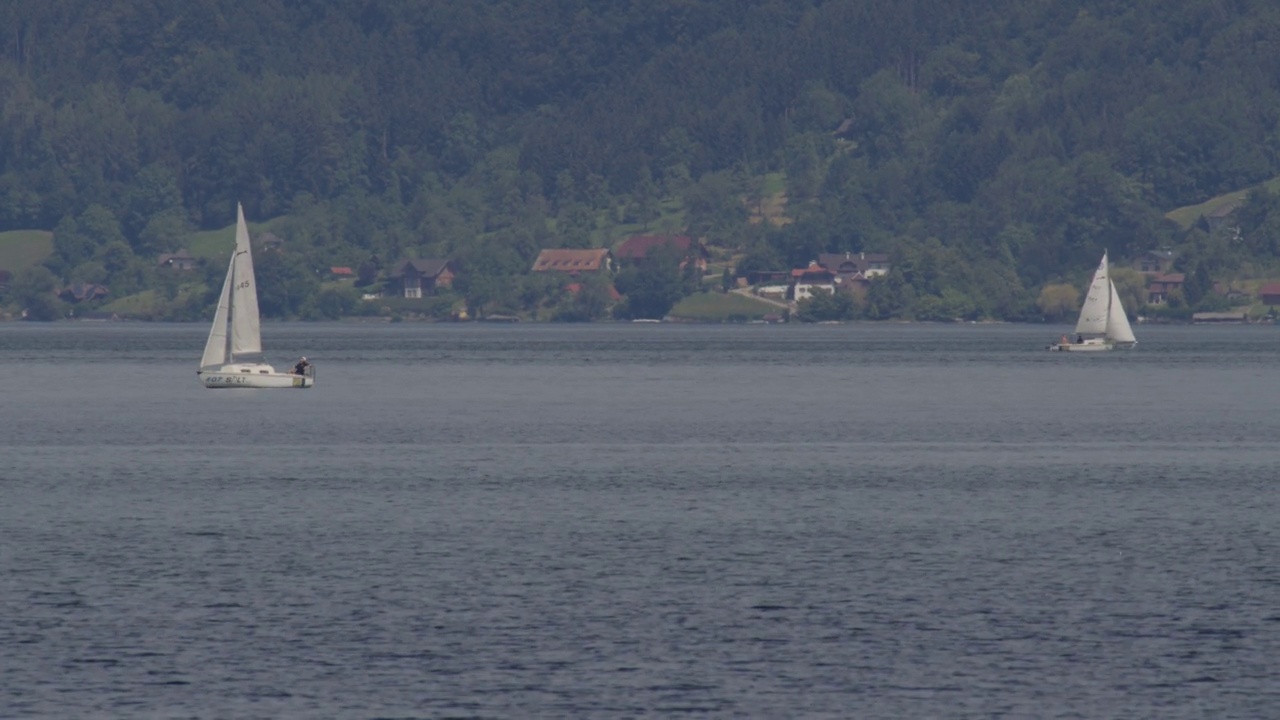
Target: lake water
column 518, row 521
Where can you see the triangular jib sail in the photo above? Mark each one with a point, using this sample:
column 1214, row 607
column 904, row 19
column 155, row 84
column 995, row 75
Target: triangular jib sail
column 215, row 348
column 236, row 334
column 1118, row 330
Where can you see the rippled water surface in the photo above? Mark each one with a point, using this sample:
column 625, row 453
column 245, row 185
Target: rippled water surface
column 641, row 520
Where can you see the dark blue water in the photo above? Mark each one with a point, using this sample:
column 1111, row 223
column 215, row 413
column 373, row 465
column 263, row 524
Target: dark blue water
column 639, row 520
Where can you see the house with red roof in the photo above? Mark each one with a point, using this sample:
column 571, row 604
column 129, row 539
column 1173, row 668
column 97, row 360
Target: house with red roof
column 341, row 272
column 573, row 261
column 807, row 279
column 575, row 288
column 1270, row 294
column 1161, row 286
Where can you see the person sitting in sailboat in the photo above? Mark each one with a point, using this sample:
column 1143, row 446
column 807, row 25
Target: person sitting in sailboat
column 301, row 367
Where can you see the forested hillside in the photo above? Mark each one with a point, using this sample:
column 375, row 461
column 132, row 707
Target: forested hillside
column 989, row 148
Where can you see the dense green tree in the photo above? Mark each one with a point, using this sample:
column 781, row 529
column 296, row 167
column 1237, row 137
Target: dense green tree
column 1058, row 301
column 887, row 296
column 652, row 286
column 335, row 302
column 70, row 246
column 590, row 301
column 32, row 292
column 825, row 305
column 992, row 148
column 153, row 191
column 287, row 286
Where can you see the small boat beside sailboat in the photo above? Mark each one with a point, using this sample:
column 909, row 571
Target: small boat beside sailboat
column 1103, row 324
column 233, row 353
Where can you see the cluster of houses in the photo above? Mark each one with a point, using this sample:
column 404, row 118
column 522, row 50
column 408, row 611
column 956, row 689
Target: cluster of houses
column 831, row 272
column 422, row 278
column 1155, row 265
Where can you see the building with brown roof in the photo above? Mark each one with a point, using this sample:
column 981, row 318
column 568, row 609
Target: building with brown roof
column 1155, row 262
column 868, row 265
column 1219, row 216
column 268, row 241
column 79, row 292
column 419, row 278
column 181, row 260
column 574, row 261
column 637, row 247
column 1270, row 294
column 575, row 288
column 1161, row 285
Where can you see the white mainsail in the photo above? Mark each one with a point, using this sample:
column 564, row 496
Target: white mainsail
column 1118, row 329
column 246, row 335
column 1093, row 316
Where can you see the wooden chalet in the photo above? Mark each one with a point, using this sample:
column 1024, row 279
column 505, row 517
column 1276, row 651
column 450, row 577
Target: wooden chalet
column 1160, row 286
column 1270, row 294
column 180, row 260
column 421, row 278
column 80, row 292
column 1155, row 262
column 868, row 265
column 637, row 247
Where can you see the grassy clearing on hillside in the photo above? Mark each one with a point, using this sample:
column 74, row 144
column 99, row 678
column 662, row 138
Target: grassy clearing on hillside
column 217, row 244
column 774, row 183
column 23, row 249
column 773, row 201
column 670, row 221
column 213, row 244
column 720, row 307
column 1188, row 215
column 137, row 304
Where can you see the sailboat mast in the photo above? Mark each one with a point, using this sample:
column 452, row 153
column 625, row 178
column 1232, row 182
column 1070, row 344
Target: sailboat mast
column 1106, row 331
column 231, row 306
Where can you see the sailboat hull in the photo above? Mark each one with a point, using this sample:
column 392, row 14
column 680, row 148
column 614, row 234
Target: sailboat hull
column 251, row 377
column 1086, row 346
column 1091, row 345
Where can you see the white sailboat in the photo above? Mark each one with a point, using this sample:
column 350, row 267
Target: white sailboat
column 233, row 354
column 1103, row 324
